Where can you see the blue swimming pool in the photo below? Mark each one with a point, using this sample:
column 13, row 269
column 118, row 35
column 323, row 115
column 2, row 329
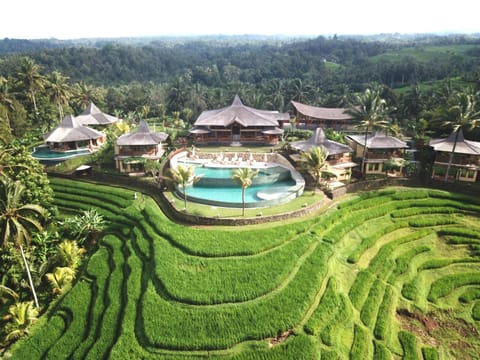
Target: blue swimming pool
column 43, row 153
column 273, row 185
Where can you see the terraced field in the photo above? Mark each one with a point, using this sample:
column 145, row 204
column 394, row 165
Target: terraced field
column 384, row 275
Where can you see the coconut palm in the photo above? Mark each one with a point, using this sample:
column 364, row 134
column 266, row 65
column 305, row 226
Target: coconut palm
column 17, row 220
column 461, row 115
column 59, row 90
column 30, row 78
column 7, row 100
column 183, row 176
column 370, row 113
column 84, row 94
column 314, row 160
column 244, row 176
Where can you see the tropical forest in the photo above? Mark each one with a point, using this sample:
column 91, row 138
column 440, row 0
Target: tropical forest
column 96, row 263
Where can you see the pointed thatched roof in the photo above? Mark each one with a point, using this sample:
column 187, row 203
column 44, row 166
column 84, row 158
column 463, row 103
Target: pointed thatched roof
column 319, row 139
column 142, row 136
column 322, row 113
column 241, row 114
column 463, row 146
column 71, row 130
column 93, row 116
column 379, row 141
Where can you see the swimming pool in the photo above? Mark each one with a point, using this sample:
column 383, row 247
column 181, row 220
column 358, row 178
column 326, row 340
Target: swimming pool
column 44, row 154
column 274, row 184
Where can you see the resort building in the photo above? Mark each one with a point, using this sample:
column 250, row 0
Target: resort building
column 311, row 117
column 339, row 160
column 382, row 151
column 465, row 164
column 70, row 135
column 238, row 124
column 132, row 150
column 92, row 116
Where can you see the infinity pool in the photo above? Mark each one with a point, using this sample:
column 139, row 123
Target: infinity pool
column 273, row 185
column 43, row 153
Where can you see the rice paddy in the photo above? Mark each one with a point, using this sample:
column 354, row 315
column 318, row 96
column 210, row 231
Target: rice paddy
column 387, row 274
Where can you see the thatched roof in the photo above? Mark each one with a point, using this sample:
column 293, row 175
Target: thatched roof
column 93, row 116
column 241, row 114
column 319, row 139
column 463, row 146
column 71, row 130
column 142, row 136
column 321, row 113
column 379, row 141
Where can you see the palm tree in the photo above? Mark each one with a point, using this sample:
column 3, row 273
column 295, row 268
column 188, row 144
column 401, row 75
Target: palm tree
column 314, row 160
column 370, row 113
column 460, row 115
column 7, row 100
column 30, row 78
column 17, row 220
column 84, row 94
column 21, row 316
column 61, row 279
column 87, row 226
column 60, row 91
column 69, row 254
column 8, row 295
column 244, row 176
column 183, row 176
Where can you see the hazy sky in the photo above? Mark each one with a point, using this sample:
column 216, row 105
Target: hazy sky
column 66, row 19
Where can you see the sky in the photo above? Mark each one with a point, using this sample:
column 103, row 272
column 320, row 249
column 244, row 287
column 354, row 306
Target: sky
column 64, row 19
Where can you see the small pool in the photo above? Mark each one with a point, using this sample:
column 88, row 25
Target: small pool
column 43, row 153
column 272, row 186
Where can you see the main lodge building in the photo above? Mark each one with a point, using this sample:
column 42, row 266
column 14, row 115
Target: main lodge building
column 238, row 124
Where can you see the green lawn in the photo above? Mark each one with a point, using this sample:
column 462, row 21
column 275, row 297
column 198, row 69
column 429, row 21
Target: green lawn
column 387, row 274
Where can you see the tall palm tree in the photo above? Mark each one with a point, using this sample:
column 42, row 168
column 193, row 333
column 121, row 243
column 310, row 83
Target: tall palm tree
column 17, row 220
column 183, row 176
column 244, row 176
column 314, row 160
column 461, row 114
column 84, row 94
column 370, row 113
column 31, row 79
column 7, row 100
column 60, row 91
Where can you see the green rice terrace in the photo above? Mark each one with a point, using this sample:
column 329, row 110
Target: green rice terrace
column 390, row 274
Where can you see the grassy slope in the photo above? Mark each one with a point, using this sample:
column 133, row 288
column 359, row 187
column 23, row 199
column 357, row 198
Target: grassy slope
column 330, row 285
